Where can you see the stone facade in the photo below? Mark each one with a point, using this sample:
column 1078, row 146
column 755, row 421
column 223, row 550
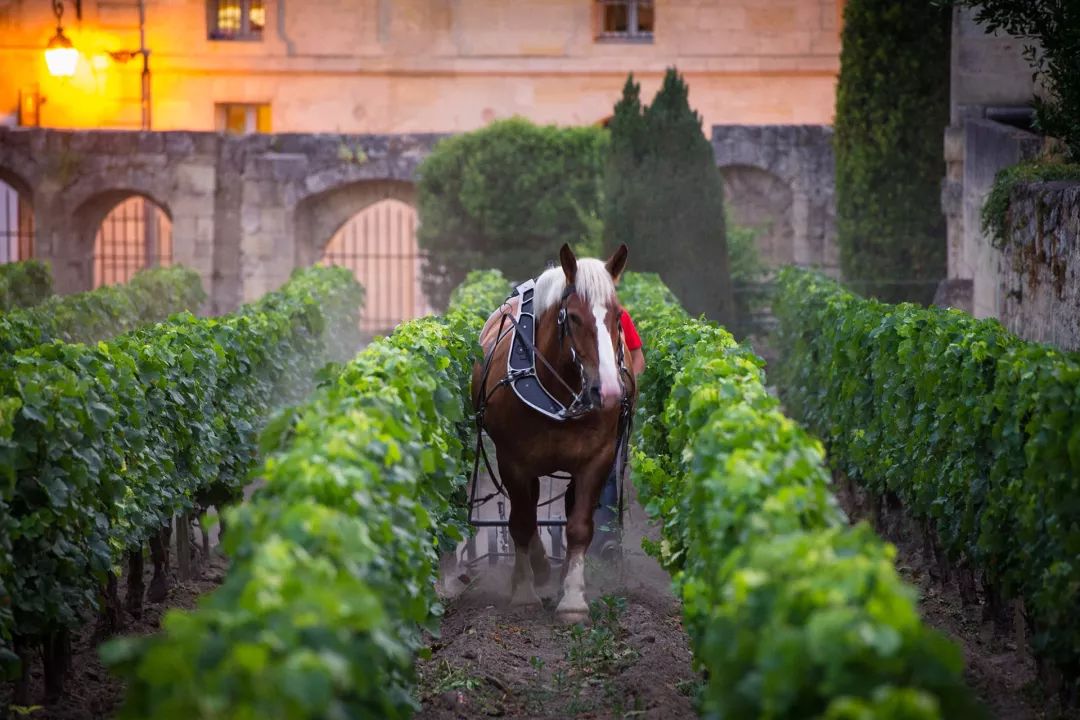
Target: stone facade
column 984, row 148
column 245, row 210
column 398, row 66
column 781, row 179
column 1039, row 265
column 989, row 81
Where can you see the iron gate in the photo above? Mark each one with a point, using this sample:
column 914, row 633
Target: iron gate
column 379, row 246
column 136, row 234
column 16, row 226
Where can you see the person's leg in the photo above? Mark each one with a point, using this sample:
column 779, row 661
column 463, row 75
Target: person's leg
column 606, row 517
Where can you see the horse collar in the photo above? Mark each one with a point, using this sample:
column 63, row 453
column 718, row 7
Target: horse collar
column 521, row 360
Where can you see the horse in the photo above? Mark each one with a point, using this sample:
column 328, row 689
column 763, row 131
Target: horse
column 578, row 345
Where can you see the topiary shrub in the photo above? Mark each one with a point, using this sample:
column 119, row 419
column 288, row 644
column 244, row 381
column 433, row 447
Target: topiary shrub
column 664, row 198
column 507, row 196
column 892, row 104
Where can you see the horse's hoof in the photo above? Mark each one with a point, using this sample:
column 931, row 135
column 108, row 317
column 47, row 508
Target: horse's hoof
column 572, row 616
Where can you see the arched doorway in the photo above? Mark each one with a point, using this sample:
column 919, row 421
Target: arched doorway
column 16, row 223
column 378, row 244
column 762, row 202
column 135, row 234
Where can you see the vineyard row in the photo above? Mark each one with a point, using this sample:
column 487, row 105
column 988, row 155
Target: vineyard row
column 792, row 612
column 975, row 431
column 101, row 444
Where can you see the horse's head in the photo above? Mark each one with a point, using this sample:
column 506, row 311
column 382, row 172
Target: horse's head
column 588, row 321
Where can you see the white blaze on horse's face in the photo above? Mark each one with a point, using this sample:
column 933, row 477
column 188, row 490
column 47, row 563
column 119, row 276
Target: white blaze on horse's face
column 610, row 388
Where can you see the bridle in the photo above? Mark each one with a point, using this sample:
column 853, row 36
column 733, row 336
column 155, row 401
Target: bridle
column 582, row 402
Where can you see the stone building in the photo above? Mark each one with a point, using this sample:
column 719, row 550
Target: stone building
column 1031, row 280
column 332, row 77
column 394, row 66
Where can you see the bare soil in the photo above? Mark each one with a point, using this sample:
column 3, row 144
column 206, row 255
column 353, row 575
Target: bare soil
column 632, row 660
column 91, row 692
column 999, row 666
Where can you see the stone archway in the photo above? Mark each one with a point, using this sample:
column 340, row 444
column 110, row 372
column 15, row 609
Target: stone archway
column 120, row 231
column 16, row 218
column 370, row 228
column 800, row 157
column 761, row 201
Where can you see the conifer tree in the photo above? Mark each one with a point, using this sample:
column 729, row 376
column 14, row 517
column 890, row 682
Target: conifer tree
column 664, row 197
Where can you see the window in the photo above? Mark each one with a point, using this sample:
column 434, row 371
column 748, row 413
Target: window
column 235, row 19
column 626, row 20
column 243, row 118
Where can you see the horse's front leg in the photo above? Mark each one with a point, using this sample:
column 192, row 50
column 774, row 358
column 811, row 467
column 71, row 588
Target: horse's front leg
column 579, row 533
column 531, row 566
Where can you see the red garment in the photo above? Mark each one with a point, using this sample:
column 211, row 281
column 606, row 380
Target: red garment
column 633, row 340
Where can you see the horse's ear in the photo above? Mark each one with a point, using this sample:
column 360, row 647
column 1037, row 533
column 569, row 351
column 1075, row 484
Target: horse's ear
column 617, row 262
column 569, row 263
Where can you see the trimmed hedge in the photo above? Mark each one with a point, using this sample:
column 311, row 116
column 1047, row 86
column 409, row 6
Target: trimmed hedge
column 24, row 284
column 792, row 613
column 972, row 428
column 100, row 444
column 151, row 296
column 506, row 196
column 334, row 561
column 892, row 105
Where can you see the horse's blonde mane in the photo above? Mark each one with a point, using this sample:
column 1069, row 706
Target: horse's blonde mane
column 593, row 282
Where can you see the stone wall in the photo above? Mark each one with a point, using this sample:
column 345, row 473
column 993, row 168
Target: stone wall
column 1039, row 265
column 977, row 150
column 781, row 178
column 245, row 210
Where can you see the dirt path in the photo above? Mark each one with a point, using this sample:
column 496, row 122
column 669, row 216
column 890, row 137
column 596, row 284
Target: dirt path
column 632, row 661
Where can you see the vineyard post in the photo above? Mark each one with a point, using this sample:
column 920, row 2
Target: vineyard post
column 183, row 547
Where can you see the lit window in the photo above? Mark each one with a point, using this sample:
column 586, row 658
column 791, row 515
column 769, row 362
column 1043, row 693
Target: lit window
column 243, row 118
column 236, row 19
column 626, row 19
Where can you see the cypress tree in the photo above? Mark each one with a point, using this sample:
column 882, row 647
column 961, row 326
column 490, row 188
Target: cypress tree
column 892, row 105
column 663, row 197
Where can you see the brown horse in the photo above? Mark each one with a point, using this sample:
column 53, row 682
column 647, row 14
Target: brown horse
column 578, row 333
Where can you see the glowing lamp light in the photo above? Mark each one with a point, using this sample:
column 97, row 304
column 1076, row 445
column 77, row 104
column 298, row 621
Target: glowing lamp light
column 61, row 56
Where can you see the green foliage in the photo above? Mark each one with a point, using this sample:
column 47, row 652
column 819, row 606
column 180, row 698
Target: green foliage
column 151, row 296
column 995, row 211
column 24, row 284
column 663, row 196
column 974, row 430
column 100, row 444
column 892, row 104
column 333, row 561
column 1053, row 27
column 792, row 613
column 507, row 196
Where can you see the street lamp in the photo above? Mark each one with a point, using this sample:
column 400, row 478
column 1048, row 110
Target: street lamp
column 60, row 55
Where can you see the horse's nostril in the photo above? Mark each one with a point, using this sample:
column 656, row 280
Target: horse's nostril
column 594, row 394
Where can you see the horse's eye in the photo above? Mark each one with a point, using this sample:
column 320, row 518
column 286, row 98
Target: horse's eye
column 575, row 318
